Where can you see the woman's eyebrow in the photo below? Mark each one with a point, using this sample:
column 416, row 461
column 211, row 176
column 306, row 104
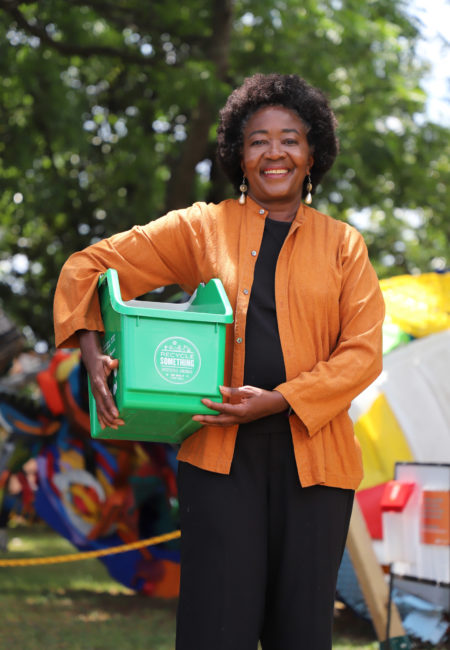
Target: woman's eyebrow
column 257, row 131
column 282, row 131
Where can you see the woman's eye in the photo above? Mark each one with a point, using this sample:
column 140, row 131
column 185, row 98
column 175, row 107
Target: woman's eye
column 290, row 141
column 257, row 142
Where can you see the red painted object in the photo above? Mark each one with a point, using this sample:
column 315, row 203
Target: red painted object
column 396, row 495
column 370, row 503
column 49, row 386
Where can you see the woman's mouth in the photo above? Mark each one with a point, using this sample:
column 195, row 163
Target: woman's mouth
column 275, row 171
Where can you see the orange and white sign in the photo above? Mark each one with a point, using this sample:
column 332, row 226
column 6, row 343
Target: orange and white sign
column 436, row 517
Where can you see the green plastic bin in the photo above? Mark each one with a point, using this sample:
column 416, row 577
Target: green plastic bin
column 170, row 357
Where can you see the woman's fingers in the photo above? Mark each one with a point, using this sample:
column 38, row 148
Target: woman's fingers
column 107, row 412
column 238, row 394
column 114, row 424
column 229, row 413
column 99, row 366
column 111, row 364
column 217, row 420
column 246, row 403
column 103, row 398
column 222, row 407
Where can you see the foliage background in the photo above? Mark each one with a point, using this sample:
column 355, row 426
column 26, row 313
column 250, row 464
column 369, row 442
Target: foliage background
column 108, row 113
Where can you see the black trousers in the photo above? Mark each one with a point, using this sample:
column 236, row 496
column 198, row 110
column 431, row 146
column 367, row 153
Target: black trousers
column 259, row 553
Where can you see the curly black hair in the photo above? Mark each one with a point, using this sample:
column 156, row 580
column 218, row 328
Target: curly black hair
column 289, row 91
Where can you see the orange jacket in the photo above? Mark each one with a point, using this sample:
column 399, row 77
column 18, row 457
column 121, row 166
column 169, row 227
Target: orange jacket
column 329, row 307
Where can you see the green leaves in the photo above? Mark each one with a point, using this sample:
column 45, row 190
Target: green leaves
column 107, row 108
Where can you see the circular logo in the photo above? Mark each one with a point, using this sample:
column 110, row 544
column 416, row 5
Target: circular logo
column 177, row 360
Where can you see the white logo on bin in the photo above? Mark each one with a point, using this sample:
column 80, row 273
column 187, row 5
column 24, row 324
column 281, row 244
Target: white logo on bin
column 177, row 360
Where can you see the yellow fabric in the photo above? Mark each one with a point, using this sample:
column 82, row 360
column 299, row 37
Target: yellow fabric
column 91, row 505
column 72, row 459
column 382, row 442
column 65, row 367
column 104, row 482
column 329, row 308
column 419, row 305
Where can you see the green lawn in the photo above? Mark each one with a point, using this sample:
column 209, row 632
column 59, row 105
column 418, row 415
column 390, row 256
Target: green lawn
column 77, row 606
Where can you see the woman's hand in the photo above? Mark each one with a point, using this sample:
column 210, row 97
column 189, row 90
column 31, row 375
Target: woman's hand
column 247, row 403
column 99, row 366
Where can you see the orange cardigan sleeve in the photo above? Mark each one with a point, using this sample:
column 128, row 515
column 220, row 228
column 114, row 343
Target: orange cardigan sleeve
column 318, row 395
column 175, row 249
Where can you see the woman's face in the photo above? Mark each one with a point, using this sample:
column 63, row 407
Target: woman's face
column 276, row 156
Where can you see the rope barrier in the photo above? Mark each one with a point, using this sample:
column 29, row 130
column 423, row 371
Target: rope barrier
column 87, row 555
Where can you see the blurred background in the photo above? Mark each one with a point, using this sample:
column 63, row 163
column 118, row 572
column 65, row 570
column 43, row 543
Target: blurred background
column 108, row 114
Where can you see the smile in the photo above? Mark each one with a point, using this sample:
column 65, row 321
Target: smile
column 275, row 171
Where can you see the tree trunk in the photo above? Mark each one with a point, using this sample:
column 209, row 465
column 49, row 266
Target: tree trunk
column 180, row 188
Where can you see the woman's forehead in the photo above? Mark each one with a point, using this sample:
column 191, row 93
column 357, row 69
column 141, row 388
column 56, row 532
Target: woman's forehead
column 269, row 117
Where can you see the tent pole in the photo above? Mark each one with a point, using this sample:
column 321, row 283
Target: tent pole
column 373, row 585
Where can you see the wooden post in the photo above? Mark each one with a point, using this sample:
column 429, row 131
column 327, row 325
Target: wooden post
column 371, row 577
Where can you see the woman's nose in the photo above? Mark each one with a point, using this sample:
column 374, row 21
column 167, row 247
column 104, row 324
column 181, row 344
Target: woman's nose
column 275, row 150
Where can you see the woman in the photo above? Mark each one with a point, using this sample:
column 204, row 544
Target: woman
column 266, row 486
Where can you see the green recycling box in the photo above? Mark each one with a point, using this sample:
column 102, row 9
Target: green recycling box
column 170, row 357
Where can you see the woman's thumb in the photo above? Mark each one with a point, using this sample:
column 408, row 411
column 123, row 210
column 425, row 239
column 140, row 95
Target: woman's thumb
column 112, row 363
column 227, row 391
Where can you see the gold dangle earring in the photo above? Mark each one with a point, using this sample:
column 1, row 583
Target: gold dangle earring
column 243, row 187
column 308, row 197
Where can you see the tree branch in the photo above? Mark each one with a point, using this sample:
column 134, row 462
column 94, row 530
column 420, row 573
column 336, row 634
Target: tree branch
column 69, row 49
column 181, row 185
column 121, row 16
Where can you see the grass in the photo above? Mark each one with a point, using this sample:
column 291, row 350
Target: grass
column 77, row 606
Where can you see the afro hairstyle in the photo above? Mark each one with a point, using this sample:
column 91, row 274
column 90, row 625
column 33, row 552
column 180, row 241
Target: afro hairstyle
column 286, row 90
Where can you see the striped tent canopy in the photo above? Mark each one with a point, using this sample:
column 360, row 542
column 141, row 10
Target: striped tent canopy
column 405, row 414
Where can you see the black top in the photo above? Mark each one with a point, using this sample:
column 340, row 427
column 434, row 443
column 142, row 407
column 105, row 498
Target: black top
column 264, row 364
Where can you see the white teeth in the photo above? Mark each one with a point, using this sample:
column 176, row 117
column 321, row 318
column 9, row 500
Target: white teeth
column 276, row 171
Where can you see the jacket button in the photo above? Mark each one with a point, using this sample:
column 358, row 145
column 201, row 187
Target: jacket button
column 253, row 253
column 245, row 291
column 261, row 211
column 238, row 340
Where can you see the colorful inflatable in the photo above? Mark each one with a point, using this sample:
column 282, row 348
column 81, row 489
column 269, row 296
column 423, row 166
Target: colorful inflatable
column 99, row 494
column 96, row 495
column 405, row 414
column 404, row 417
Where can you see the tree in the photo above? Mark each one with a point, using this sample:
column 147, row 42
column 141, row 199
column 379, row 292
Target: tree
column 108, row 113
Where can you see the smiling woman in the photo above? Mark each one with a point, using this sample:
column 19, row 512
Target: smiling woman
column 288, row 92
column 276, row 157
column 266, row 485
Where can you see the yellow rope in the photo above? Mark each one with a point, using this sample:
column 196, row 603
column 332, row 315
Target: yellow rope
column 87, row 555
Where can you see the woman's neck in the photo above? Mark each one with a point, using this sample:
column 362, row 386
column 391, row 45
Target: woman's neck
column 280, row 211
column 282, row 215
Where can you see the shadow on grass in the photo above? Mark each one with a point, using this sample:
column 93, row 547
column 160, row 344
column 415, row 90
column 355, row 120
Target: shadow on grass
column 121, row 603
column 78, row 606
